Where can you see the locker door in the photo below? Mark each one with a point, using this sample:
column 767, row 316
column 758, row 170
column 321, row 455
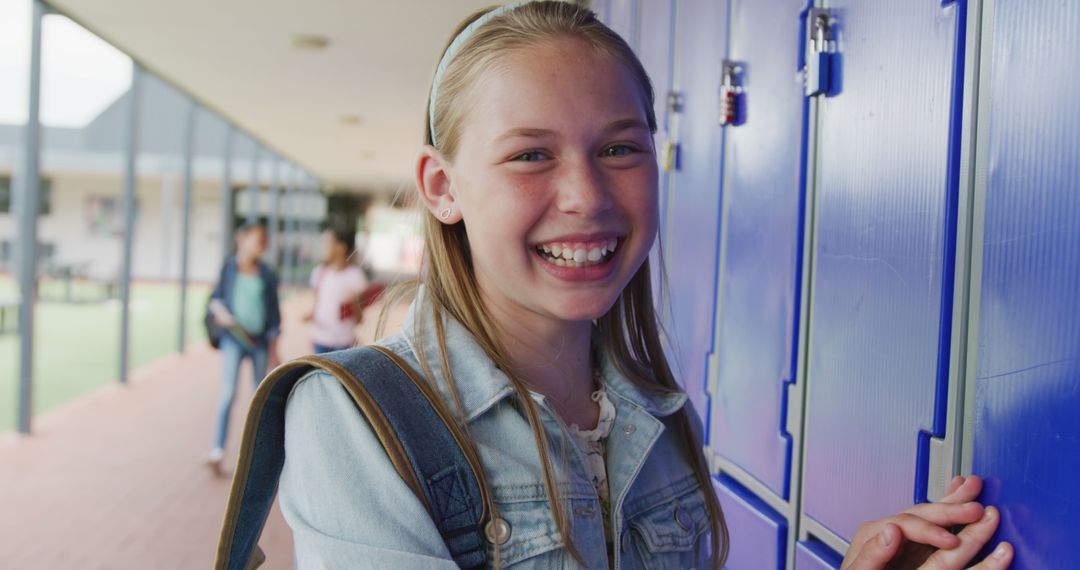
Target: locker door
column 813, row 555
column 656, row 48
column 760, row 252
column 882, row 262
column 622, row 16
column 1027, row 369
column 758, row 535
column 694, row 205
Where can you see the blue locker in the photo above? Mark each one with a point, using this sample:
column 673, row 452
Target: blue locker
column 622, row 16
column 759, row 285
column 813, row 555
column 656, row 48
column 656, row 38
column 758, row 534
column 603, row 10
column 691, row 248
column 883, row 260
column 1027, row 384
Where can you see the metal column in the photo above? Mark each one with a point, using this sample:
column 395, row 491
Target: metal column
column 28, row 212
column 227, row 204
column 275, row 217
column 294, row 251
column 253, row 187
column 129, row 218
column 185, row 225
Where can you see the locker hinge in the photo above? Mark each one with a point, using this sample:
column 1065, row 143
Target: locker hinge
column 732, row 93
column 712, row 458
column 941, row 468
column 822, row 67
column 675, row 102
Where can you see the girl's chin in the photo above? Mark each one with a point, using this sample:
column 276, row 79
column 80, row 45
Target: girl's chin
column 580, row 308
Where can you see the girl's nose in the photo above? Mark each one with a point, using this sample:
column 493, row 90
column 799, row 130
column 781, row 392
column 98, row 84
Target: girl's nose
column 583, row 189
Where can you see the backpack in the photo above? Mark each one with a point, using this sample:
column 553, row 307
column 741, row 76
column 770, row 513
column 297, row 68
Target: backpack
column 214, row 331
column 403, row 411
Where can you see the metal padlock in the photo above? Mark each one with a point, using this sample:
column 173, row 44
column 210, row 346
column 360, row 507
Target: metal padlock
column 732, row 94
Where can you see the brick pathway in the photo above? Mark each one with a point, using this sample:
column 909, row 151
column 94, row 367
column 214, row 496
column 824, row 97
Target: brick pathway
column 114, row 480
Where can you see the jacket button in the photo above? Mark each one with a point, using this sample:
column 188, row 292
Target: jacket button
column 629, row 429
column 497, row 531
column 683, row 518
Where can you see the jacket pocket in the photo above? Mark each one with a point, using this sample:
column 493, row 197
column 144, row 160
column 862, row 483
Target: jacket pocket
column 672, row 534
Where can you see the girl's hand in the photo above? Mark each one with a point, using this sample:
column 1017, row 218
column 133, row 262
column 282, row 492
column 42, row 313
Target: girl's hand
column 919, row 537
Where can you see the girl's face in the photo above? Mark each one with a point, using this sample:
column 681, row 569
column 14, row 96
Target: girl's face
column 556, row 180
column 252, row 244
column 329, row 245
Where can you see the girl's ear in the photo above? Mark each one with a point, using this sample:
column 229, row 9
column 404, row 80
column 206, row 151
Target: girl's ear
column 435, row 187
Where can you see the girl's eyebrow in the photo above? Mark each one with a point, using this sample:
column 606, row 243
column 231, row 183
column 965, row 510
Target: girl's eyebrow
column 626, row 124
column 613, row 127
column 525, row 132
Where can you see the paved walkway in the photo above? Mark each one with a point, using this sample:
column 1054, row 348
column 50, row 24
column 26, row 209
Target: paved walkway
column 114, row 480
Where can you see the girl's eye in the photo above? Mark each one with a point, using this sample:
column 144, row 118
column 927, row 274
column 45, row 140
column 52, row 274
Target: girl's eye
column 531, row 156
column 618, row 150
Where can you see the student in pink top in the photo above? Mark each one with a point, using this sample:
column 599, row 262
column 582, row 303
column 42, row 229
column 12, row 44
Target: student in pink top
column 338, row 285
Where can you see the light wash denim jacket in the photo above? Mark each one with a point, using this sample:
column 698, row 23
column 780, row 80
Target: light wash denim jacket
column 348, row 508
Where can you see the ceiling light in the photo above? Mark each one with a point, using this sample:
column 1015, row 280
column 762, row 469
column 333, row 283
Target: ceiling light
column 313, row 42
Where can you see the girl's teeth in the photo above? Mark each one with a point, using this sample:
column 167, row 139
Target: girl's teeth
column 564, row 255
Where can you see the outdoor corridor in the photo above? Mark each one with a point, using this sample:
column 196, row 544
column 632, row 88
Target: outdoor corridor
column 115, row 480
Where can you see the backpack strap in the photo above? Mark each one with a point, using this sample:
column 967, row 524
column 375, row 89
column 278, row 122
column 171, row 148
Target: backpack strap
column 425, row 445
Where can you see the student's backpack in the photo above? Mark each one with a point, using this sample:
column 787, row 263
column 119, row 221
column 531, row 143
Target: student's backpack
column 405, row 414
column 214, row 331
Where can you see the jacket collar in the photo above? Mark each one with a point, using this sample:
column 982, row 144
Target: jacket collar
column 481, row 384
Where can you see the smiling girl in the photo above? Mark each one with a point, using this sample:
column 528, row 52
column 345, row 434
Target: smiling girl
column 535, row 323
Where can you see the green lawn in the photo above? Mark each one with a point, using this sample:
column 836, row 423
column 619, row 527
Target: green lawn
column 77, row 344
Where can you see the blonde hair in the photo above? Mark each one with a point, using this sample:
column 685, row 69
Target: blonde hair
column 630, row 329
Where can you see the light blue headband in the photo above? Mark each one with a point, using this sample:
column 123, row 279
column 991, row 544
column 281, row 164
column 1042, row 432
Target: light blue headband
column 451, row 52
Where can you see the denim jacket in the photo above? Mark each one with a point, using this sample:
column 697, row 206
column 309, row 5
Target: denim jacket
column 348, row 508
column 223, row 291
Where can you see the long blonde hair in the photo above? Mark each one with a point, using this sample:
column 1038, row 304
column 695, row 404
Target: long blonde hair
column 630, row 329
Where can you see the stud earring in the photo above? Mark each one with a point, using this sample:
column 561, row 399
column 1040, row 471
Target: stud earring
column 445, row 214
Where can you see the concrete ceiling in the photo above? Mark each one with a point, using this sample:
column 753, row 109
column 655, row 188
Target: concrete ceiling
column 236, row 57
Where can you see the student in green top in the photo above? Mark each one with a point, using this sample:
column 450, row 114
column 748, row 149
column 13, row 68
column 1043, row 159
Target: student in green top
column 245, row 302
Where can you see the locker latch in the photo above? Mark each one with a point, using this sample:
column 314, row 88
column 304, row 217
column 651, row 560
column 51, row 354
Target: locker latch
column 822, row 71
column 669, row 156
column 669, row 153
column 732, row 94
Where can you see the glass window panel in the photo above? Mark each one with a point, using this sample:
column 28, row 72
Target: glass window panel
column 155, row 291
column 85, row 97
